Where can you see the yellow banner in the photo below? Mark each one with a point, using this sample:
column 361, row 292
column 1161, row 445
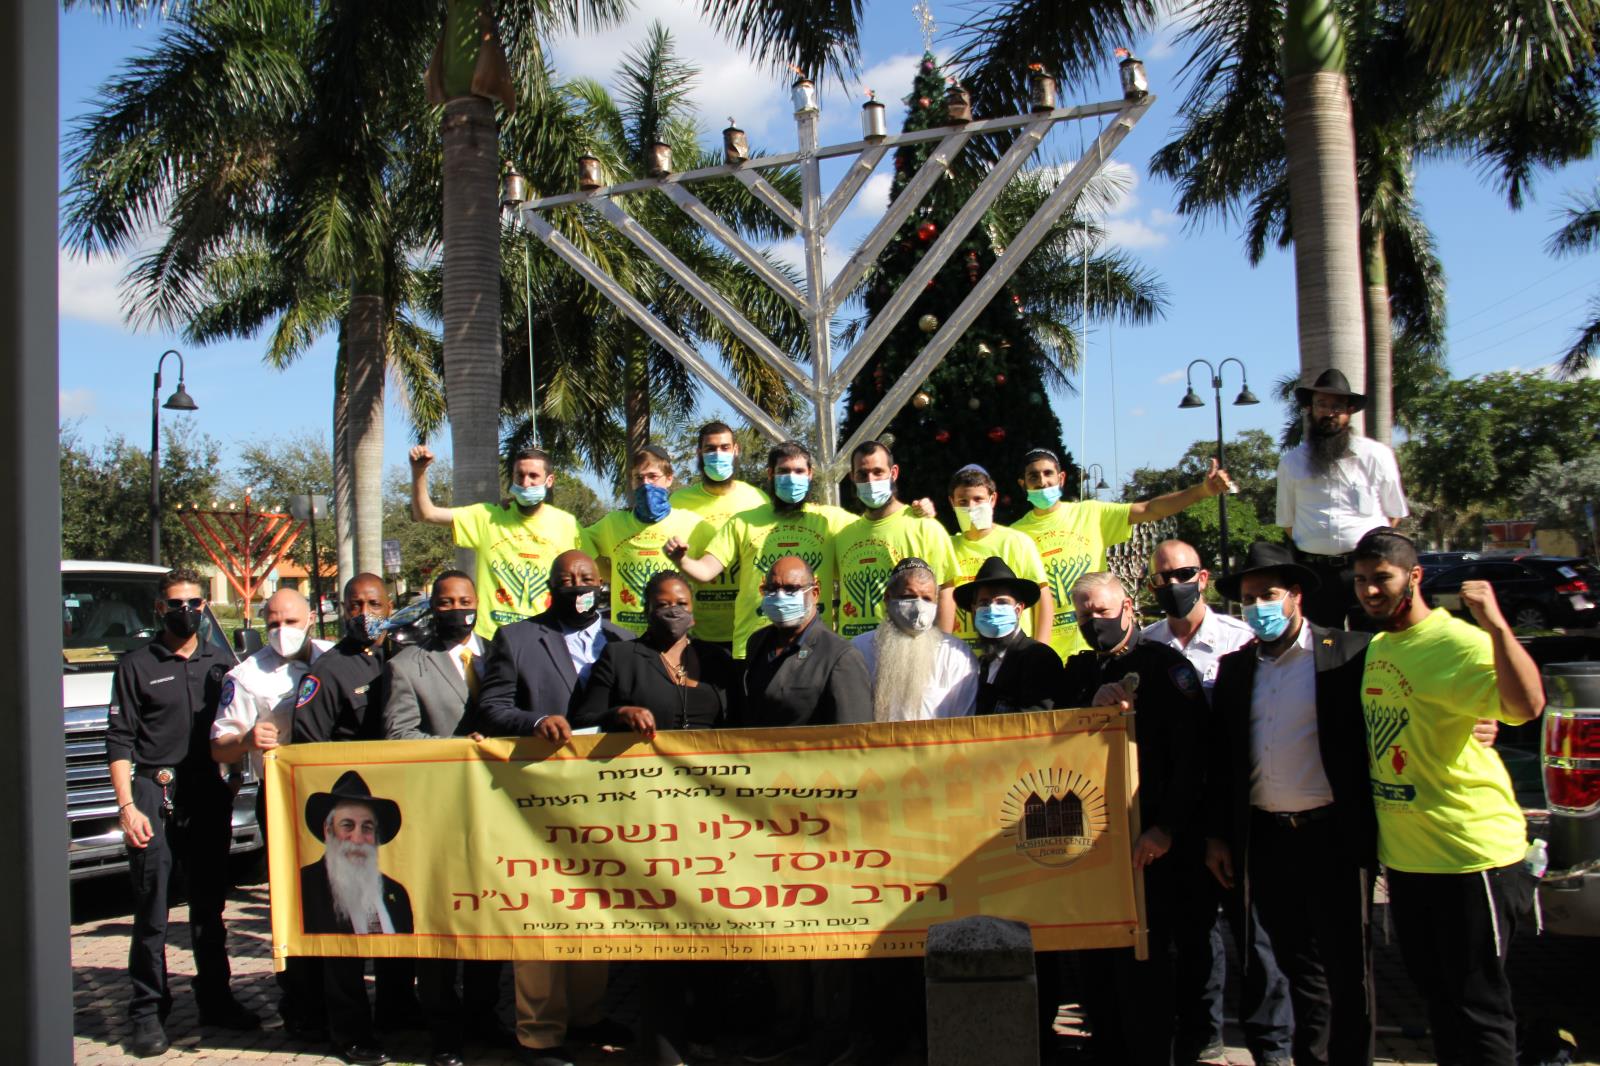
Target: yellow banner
column 826, row 842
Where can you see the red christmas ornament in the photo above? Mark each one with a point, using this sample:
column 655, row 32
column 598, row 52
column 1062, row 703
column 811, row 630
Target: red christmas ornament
column 923, row 101
column 927, row 66
column 929, row 285
column 858, row 407
column 997, row 434
column 972, row 267
column 999, row 379
column 943, row 436
column 926, row 231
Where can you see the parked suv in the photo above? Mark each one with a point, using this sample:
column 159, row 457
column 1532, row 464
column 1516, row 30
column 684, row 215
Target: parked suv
column 108, row 610
column 1570, row 762
column 1534, row 591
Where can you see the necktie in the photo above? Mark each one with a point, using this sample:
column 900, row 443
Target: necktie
column 472, row 675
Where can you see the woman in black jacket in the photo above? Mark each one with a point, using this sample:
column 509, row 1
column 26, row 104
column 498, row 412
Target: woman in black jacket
column 665, row 679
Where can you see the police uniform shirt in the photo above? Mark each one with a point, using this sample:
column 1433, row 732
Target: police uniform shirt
column 263, row 688
column 341, row 696
column 1169, row 710
column 162, row 707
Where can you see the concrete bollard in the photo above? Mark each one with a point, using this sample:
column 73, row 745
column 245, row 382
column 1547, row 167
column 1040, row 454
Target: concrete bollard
column 983, row 999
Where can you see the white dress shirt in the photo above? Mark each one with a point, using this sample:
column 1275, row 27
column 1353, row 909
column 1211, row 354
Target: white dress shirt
column 262, row 688
column 1217, row 635
column 474, row 644
column 1329, row 511
column 1286, row 773
column 952, row 690
column 584, row 646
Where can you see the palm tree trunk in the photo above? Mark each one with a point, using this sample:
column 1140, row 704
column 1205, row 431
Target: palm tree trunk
column 1380, row 343
column 344, row 496
column 1324, row 204
column 636, row 401
column 366, row 368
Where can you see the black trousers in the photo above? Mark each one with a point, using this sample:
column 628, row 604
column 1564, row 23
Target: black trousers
column 1455, row 935
column 1316, row 907
column 450, row 1014
column 1334, row 599
column 1200, row 982
column 196, row 838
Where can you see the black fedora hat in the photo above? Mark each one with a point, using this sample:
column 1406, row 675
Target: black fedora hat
column 1265, row 555
column 1330, row 382
column 350, row 788
column 994, row 571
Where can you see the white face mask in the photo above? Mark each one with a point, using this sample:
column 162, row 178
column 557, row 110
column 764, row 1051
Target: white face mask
column 979, row 516
column 913, row 615
column 286, row 640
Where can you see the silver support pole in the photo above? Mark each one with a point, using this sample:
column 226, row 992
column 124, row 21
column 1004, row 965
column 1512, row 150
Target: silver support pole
column 935, row 167
column 695, row 209
column 706, row 295
column 658, row 332
column 846, row 191
column 771, row 197
column 944, row 246
column 1005, row 265
column 819, row 321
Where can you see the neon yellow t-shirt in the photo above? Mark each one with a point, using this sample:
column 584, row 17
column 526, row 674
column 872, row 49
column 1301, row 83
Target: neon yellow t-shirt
column 1444, row 801
column 714, row 601
column 1072, row 541
column 866, row 551
column 514, row 557
column 751, row 541
column 633, row 552
column 1019, row 552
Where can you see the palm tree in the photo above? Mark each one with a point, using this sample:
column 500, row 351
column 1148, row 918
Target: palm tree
column 282, row 176
column 1581, row 233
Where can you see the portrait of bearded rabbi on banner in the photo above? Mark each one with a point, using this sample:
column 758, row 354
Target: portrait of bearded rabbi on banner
column 344, row 891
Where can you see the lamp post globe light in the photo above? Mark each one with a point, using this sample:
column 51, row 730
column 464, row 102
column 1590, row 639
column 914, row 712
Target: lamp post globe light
column 180, row 400
column 1192, row 399
column 1095, row 473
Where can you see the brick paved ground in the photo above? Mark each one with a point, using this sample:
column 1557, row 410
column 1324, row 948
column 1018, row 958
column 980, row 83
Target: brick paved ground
column 1557, row 978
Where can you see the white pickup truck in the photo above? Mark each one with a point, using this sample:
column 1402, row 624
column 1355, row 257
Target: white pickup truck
column 108, row 609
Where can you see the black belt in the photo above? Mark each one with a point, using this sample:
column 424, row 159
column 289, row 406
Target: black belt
column 1324, row 560
column 1295, row 819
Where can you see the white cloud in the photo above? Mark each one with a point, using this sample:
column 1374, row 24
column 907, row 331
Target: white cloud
column 1138, row 412
column 792, row 253
column 75, row 403
column 873, row 199
column 1170, row 379
column 1133, row 233
column 88, row 290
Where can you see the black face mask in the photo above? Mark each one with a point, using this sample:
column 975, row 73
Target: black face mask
column 182, row 624
column 564, row 598
column 454, row 626
column 1177, row 600
column 670, row 623
column 1103, row 634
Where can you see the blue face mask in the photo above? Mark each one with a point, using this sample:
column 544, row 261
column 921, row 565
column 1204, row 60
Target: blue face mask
column 791, row 488
column 1266, row 619
column 718, row 466
column 531, row 496
column 1045, row 498
column 995, row 620
column 650, row 503
column 874, row 493
column 783, row 609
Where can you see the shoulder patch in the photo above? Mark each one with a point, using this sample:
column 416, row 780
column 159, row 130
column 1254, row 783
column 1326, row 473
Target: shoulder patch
column 308, row 690
column 1183, row 676
column 225, row 700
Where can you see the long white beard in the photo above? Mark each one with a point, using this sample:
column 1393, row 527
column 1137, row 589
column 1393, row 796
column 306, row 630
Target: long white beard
column 905, row 669
column 355, row 881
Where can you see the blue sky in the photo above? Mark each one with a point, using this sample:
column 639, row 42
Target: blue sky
column 1510, row 304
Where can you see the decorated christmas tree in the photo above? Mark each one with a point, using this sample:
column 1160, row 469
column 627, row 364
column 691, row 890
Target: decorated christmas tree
column 988, row 401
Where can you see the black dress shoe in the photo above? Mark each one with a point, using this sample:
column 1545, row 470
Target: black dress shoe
column 447, row 1058
column 229, row 1014
column 148, row 1039
column 361, row 1055
column 605, row 1032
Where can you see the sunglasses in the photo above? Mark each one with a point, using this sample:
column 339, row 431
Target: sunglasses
column 788, row 590
column 193, row 604
column 1178, row 575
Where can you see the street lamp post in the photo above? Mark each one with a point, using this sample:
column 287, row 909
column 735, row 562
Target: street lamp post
column 1087, row 475
column 309, row 508
column 1244, row 399
column 178, row 401
column 514, row 193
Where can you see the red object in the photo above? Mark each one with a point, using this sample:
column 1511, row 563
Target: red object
column 245, row 544
column 972, row 267
column 1575, row 585
column 943, row 436
column 1571, row 735
column 999, row 379
column 1398, row 760
column 858, row 407
column 922, row 101
column 929, row 285
column 997, row 434
column 927, row 231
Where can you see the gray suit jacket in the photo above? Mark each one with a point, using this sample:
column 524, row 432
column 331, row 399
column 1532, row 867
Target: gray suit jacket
column 427, row 696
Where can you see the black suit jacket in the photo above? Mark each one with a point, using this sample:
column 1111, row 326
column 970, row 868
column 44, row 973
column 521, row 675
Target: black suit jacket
column 530, row 675
column 631, row 674
column 1029, row 678
column 316, row 903
column 1340, row 658
column 820, row 680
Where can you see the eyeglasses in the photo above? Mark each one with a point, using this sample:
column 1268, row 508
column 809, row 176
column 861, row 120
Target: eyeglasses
column 193, row 604
column 789, row 590
column 1177, row 575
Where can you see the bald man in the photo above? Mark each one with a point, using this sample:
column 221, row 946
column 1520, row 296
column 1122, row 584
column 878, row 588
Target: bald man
column 798, row 672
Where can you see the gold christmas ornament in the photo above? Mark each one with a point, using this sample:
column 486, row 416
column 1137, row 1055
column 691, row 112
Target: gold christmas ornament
column 921, row 401
column 927, row 323
column 984, row 350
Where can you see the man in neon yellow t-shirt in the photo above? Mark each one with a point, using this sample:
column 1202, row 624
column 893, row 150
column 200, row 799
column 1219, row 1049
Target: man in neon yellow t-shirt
column 973, row 495
column 1073, row 537
column 868, row 548
column 753, row 540
column 1450, row 832
column 629, row 545
column 515, row 542
column 717, row 498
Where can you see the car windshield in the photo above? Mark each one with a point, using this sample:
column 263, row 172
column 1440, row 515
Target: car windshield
column 105, row 616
